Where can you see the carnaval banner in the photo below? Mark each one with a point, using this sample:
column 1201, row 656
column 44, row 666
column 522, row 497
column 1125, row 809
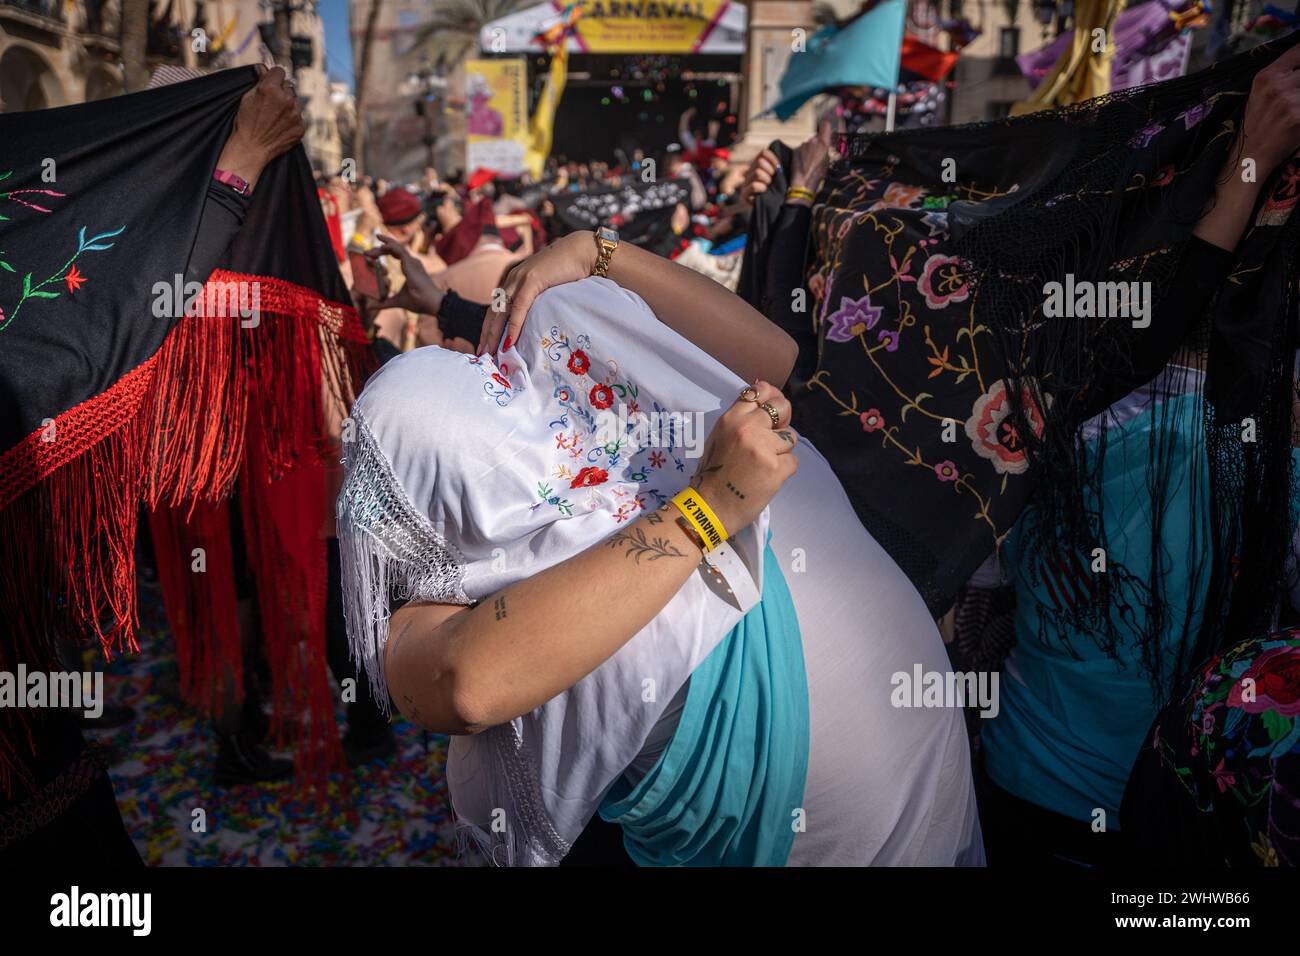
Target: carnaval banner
column 625, row 26
column 496, row 118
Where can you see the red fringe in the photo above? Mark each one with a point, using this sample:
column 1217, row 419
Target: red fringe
column 204, row 620
column 170, row 432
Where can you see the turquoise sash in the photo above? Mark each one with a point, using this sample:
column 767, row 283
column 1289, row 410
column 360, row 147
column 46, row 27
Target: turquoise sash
column 729, row 788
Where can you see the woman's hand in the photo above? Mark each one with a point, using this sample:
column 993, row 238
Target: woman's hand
column 268, row 123
column 565, row 260
column 812, row 159
column 758, row 178
column 1270, row 132
column 419, row 293
column 747, row 460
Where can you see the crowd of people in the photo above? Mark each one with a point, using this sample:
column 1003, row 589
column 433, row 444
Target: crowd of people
column 592, row 522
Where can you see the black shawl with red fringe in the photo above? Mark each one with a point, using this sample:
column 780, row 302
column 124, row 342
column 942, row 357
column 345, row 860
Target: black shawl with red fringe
column 107, row 406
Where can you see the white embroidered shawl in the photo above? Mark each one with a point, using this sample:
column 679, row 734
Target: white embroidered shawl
column 465, row 475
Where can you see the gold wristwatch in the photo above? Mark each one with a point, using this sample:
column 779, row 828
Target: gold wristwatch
column 606, row 243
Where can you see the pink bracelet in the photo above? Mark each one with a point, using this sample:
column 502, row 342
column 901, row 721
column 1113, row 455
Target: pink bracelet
column 237, row 183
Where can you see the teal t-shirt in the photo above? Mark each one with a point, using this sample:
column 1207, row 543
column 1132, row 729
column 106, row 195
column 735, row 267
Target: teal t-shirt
column 1070, row 724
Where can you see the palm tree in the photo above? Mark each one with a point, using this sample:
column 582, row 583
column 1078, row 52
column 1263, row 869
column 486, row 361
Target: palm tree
column 135, row 31
column 454, row 28
column 363, row 68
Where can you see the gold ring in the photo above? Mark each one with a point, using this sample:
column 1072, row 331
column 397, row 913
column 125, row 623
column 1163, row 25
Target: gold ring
column 749, row 394
column 771, row 413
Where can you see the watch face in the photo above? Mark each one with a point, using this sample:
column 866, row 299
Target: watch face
column 609, row 235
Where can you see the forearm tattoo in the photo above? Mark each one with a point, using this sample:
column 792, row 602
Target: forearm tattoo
column 637, row 546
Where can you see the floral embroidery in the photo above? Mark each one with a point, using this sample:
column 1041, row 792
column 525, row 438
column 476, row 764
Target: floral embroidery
column 898, row 196
column 1225, row 735
column 1145, row 135
column 495, row 386
column 852, row 318
column 872, row 420
column 590, row 476
column 578, row 426
column 69, row 273
column 549, row 497
column 943, row 281
column 994, row 436
column 1194, row 115
column 579, row 363
column 946, row 471
column 74, row 279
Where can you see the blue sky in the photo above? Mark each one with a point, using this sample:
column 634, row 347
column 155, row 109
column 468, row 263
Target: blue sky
column 338, row 46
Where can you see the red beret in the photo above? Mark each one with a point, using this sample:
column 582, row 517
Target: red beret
column 481, row 177
column 398, row 206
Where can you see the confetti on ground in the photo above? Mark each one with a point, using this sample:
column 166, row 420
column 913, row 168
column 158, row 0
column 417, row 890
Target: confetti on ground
column 391, row 812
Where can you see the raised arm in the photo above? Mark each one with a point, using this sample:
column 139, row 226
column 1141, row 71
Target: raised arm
column 457, row 670
column 710, row 315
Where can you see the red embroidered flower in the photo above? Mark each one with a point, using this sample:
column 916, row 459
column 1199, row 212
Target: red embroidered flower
column 74, row 279
column 1164, row 177
column 993, row 433
column 602, row 396
column 590, row 476
column 579, row 363
column 499, row 379
column 1276, row 683
column 872, row 420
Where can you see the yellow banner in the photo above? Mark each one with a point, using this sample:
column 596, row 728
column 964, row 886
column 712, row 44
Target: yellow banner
column 543, row 122
column 646, row 26
column 496, row 114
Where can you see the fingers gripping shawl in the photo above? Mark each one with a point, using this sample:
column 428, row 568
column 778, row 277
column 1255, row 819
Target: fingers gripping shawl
column 466, row 475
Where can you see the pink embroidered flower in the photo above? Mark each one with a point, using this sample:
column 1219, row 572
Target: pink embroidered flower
column 994, row 436
column 1224, row 778
column 74, row 279
column 1165, row 176
column 589, row 476
column 890, row 338
column 579, row 363
column 943, row 281
column 852, row 318
column 946, row 471
column 602, row 396
column 872, row 420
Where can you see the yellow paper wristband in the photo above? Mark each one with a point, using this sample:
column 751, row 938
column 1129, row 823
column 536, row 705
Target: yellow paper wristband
column 691, row 504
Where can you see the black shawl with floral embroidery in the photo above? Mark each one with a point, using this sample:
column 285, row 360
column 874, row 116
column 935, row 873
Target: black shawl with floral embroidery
column 944, row 396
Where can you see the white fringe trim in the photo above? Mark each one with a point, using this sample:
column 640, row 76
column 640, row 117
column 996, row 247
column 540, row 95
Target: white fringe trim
column 388, row 550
